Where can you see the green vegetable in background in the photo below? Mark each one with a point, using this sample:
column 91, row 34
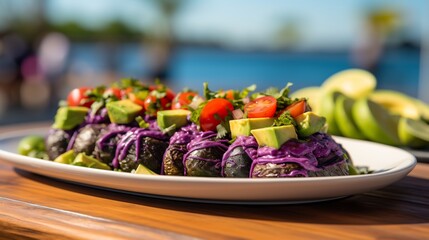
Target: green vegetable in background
column 33, row 146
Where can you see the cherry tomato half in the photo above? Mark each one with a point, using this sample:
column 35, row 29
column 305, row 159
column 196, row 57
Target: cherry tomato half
column 261, row 107
column 296, row 108
column 113, row 91
column 219, row 107
column 78, row 97
column 182, row 100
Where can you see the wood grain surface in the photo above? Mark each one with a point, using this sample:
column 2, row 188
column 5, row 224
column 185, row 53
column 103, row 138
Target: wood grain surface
column 37, row 207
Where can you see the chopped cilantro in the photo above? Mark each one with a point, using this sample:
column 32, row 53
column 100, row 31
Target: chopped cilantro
column 284, row 119
column 142, row 123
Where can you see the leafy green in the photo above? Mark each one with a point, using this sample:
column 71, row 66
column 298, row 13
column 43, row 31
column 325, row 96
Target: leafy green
column 100, row 98
column 243, row 93
column 142, row 123
column 223, row 128
column 284, row 119
column 282, row 96
column 239, row 97
column 170, row 130
column 208, row 94
column 133, row 83
column 195, row 113
column 221, row 131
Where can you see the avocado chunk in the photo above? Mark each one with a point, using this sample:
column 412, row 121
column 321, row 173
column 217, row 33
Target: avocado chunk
column 69, row 117
column 31, row 143
column 123, row 111
column 242, row 127
column 274, row 136
column 166, row 118
column 309, row 123
column 66, row 158
column 87, row 161
column 142, row 169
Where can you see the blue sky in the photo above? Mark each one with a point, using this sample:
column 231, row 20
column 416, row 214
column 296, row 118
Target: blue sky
column 240, row 22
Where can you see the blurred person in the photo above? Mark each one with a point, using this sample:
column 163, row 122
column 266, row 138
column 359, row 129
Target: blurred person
column 378, row 25
column 53, row 54
column 14, row 51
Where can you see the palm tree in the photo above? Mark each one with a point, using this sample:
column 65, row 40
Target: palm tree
column 162, row 40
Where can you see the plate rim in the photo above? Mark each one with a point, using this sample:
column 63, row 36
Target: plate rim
column 23, row 162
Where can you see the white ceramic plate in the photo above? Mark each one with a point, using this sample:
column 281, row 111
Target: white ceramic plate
column 389, row 164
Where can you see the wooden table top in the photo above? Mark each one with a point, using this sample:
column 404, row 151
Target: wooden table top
column 37, row 207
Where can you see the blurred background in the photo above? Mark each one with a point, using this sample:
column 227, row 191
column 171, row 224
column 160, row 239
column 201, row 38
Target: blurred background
column 49, row 47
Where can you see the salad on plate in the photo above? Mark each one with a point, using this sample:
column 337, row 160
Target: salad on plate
column 148, row 129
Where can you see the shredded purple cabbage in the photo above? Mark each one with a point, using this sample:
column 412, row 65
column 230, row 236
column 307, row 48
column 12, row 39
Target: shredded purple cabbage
column 249, row 145
column 185, row 134
column 100, row 117
column 205, row 140
column 308, row 154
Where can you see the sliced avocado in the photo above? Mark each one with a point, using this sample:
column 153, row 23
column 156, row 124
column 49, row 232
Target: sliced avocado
column 142, row 169
column 274, row 136
column 376, row 122
column 242, row 127
column 397, row 103
column 423, row 108
column 87, row 161
column 68, row 118
column 66, row 158
column 123, row 111
column 166, row 118
column 327, row 109
column 344, row 118
column 309, row 123
column 413, row 133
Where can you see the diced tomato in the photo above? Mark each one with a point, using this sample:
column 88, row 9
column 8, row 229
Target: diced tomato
column 296, row 108
column 113, row 91
column 229, row 94
column 215, row 111
column 169, row 93
column 138, row 98
column 152, row 104
column 79, row 97
column 182, row 100
column 261, row 107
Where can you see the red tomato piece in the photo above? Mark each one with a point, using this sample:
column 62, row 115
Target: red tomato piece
column 297, row 108
column 152, row 104
column 261, row 107
column 134, row 98
column 78, row 97
column 216, row 107
column 169, row 93
column 229, row 94
column 113, row 91
column 182, row 100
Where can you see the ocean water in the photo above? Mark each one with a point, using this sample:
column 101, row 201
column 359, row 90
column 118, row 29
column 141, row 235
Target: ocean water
column 223, row 69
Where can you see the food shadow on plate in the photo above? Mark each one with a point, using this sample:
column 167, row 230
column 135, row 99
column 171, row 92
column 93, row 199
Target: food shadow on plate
column 361, row 209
